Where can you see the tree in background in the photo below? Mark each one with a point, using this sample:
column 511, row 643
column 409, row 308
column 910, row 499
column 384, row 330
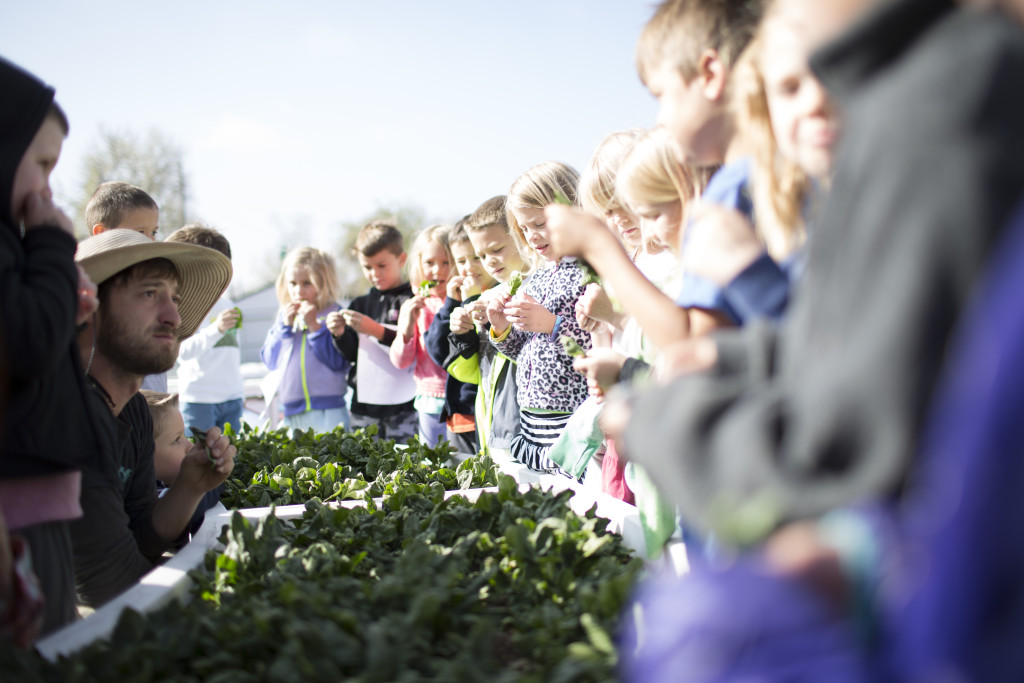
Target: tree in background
column 154, row 162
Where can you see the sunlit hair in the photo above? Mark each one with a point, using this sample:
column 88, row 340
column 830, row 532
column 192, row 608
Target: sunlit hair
column 651, row 174
column 112, row 201
column 322, row 274
column 597, row 182
column 491, row 212
column 377, row 236
column 433, row 233
column 779, row 188
column 202, row 235
column 537, row 189
column 160, row 406
column 681, row 30
column 458, row 232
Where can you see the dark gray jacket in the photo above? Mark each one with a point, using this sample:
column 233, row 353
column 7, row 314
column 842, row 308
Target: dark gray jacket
column 827, row 408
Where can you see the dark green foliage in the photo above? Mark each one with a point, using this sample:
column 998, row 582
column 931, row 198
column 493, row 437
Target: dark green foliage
column 279, row 468
column 514, row 587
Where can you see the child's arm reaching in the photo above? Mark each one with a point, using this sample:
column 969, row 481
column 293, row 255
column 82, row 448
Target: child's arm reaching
column 579, row 234
column 403, row 348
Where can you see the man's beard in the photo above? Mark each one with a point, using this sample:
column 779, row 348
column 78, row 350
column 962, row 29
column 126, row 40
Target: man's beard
column 135, row 352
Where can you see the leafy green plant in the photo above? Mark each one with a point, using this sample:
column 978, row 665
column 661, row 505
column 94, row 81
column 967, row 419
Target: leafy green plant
column 513, row 587
column 280, row 467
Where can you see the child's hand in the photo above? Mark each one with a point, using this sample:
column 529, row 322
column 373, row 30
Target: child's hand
column 454, row 288
column 87, row 301
column 595, row 306
column 336, row 323
column 602, row 368
column 477, row 311
column 308, row 313
column 527, row 315
column 693, row 354
column 290, row 311
column 496, row 313
column 39, row 211
column 407, row 316
column 226, row 320
column 362, row 324
column 207, row 465
column 572, row 232
column 719, row 245
column 461, row 322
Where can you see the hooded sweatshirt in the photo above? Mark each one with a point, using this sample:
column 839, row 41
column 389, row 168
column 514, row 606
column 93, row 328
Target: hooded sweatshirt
column 46, row 433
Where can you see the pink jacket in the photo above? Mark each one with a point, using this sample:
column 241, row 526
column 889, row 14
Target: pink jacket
column 430, row 377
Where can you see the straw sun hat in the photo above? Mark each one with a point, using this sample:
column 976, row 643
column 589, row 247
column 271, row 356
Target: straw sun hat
column 205, row 273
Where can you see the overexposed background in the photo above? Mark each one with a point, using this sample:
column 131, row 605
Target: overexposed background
column 293, row 118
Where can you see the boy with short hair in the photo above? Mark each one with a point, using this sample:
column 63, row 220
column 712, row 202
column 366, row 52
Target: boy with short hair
column 464, row 288
column 474, row 359
column 117, row 205
column 210, row 381
column 381, row 256
column 122, row 206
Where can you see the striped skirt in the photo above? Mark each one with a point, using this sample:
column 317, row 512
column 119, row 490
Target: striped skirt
column 538, row 431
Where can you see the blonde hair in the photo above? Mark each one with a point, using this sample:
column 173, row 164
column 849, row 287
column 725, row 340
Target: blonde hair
column 681, row 30
column 651, row 174
column 160, row 406
column 537, row 189
column 321, row 271
column 779, row 186
column 597, row 182
column 434, row 233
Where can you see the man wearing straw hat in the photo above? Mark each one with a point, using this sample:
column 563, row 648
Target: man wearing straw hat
column 152, row 295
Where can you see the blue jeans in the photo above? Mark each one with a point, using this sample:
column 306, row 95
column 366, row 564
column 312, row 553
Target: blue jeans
column 206, row 415
column 432, row 428
column 320, row 420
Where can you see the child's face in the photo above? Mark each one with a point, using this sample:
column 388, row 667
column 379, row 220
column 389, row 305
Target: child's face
column 498, row 252
column 435, row 262
column 626, row 226
column 171, row 447
column 661, row 222
column 804, row 121
column 383, row 269
column 694, row 121
column 143, row 220
column 33, row 173
column 535, row 231
column 468, row 264
column 300, row 285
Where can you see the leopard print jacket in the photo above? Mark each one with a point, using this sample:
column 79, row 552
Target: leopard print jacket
column 544, row 373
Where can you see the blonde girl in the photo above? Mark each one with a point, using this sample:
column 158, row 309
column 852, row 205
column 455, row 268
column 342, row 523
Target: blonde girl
column 298, row 345
column 789, row 127
column 527, row 327
column 430, row 262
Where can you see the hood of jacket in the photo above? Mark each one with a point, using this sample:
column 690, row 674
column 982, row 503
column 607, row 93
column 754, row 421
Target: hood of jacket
column 23, row 107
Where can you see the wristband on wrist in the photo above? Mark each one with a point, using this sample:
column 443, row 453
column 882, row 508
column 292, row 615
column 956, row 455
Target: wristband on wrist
column 554, row 330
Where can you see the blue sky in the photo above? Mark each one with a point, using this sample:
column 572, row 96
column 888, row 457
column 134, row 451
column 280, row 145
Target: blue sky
column 319, row 112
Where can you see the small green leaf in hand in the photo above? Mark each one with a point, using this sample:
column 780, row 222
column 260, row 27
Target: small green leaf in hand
column 571, row 347
column 199, row 438
column 426, row 286
column 238, row 323
column 515, row 282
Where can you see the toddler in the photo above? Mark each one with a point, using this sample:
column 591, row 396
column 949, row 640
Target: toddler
column 171, row 444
